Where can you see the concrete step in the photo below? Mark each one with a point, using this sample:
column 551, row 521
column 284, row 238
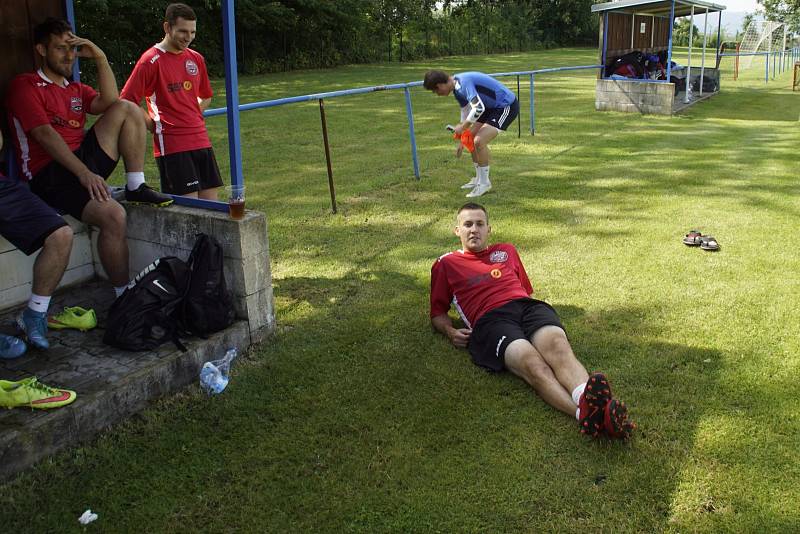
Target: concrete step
column 111, row 384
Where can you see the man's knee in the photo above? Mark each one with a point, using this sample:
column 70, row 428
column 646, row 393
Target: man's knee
column 60, row 240
column 551, row 339
column 109, row 216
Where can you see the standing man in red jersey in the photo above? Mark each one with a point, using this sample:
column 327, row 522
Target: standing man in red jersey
column 173, row 80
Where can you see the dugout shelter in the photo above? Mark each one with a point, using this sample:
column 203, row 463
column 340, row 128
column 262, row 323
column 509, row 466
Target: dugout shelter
column 639, row 73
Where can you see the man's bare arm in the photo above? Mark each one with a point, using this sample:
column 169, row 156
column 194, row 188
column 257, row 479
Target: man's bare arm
column 106, row 83
column 55, row 145
column 204, row 103
column 459, row 337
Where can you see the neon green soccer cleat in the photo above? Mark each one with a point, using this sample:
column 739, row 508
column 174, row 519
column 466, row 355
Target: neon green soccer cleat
column 74, row 317
column 32, row 393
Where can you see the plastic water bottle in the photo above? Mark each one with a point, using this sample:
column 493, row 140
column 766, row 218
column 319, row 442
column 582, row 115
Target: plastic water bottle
column 214, row 374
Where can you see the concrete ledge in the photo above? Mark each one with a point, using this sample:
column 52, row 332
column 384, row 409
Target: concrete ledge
column 111, row 384
column 634, row 96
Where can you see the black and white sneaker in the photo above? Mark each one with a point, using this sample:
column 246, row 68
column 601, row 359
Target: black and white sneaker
column 144, row 194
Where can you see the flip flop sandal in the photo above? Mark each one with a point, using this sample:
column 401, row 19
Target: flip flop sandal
column 692, row 239
column 708, row 242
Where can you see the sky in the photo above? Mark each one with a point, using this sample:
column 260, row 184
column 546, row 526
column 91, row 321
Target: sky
column 738, row 5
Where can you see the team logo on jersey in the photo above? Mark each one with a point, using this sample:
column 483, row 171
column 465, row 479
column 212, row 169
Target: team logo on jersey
column 191, row 67
column 75, row 104
column 498, row 256
column 74, row 123
column 187, row 85
column 496, row 273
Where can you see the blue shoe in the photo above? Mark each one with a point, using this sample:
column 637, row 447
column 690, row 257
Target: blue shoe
column 34, row 326
column 11, row 347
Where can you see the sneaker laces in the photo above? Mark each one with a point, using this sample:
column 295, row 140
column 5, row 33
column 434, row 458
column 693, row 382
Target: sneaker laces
column 34, row 384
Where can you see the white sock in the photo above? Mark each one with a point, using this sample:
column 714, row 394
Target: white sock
column 483, row 176
column 134, row 179
column 119, row 290
column 39, row 303
column 576, row 398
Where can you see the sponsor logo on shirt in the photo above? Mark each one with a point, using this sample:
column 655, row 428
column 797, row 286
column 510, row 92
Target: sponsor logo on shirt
column 174, row 86
column 74, row 123
column 191, row 67
column 187, row 85
column 498, row 256
column 75, row 104
column 496, row 273
column 154, row 58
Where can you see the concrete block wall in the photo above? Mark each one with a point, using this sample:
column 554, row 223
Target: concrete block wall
column 156, row 232
column 17, row 268
column 634, row 97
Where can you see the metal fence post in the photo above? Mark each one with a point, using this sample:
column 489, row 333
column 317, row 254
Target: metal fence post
column 533, row 127
column 327, row 154
column 411, row 132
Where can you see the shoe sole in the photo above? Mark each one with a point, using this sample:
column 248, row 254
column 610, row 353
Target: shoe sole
column 52, row 326
column 618, row 425
column 597, row 395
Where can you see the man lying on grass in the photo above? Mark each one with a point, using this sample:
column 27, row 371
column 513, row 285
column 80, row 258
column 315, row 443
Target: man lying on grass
column 507, row 329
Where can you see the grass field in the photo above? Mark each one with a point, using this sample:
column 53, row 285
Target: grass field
column 356, row 417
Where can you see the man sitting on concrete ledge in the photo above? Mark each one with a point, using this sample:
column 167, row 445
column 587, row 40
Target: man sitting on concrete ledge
column 66, row 166
column 30, row 224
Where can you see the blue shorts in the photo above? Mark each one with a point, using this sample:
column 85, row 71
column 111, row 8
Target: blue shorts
column 496, row 329
column 61, row 189
column 500, row 118
column 25, row 220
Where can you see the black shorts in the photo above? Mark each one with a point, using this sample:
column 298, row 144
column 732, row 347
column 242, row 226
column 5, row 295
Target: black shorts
column 189, row 172
column 500, row 118
column 61, row 189
column 518, row 319
column 25, row 220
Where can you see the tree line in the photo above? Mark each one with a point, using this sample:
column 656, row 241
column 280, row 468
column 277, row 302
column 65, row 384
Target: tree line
column 282, row 35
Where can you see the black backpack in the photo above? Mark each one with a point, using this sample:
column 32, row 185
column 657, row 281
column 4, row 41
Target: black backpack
column 146, row 314
column 207, row 305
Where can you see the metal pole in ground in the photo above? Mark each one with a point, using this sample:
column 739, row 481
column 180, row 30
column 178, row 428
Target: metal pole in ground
column 327, row 154
column 410, row 114
column 533, row 114
column 519, row 121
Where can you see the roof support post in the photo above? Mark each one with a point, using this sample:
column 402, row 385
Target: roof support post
column 669, row 43
column 232, row 90
column 703, row 60
column 689, row 66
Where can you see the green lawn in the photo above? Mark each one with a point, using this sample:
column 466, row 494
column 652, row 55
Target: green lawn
column 356, row 417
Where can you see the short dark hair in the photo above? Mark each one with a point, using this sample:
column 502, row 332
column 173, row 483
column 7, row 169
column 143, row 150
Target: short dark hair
column 50, row 26
column 434, row 78
column 175, row 11
column 473, row 206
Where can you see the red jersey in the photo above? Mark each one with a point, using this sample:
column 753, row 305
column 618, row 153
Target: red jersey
column 34, row 100
column 171, row 84
column 478, row 283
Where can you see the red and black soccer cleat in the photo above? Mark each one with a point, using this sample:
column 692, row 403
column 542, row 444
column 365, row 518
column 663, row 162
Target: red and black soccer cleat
column 616, row 423
column 593, row 405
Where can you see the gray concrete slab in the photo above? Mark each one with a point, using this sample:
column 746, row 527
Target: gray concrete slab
column 111, row 384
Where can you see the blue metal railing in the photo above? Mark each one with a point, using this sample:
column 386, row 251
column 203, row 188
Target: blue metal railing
column 781, row 60
column 406, row 89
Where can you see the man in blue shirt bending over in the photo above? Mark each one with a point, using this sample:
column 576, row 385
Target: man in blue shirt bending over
column 487, row 107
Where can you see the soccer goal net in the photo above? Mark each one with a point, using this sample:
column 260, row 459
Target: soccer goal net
column 761, row 36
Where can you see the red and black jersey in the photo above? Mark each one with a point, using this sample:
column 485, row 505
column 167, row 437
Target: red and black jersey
column 478, row 283
column 171, row 84
column 35, row 100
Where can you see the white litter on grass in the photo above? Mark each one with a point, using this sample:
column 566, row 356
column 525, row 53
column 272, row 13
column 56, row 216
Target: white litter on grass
column 87, row 517
column 707, row 361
